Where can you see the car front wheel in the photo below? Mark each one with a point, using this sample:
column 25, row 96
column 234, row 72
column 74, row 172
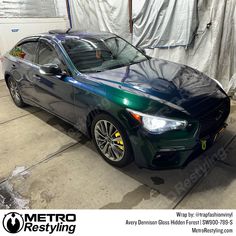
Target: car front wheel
column 111, row 141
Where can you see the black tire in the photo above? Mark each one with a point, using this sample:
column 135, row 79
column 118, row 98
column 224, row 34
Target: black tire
column 15, row 92
column 127, row 155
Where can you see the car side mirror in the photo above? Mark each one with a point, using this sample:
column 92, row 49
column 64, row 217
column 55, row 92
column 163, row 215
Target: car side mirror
column 50, row 70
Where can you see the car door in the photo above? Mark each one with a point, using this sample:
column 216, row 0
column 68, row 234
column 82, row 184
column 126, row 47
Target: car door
column 23, row 65
column 53, row 93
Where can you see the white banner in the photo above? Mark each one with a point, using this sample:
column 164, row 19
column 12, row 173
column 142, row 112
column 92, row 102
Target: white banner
column 117, row 222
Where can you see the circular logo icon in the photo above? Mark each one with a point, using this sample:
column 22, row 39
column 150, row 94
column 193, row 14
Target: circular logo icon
column 13, row 222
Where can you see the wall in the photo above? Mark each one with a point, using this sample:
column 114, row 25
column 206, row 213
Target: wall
column 14, row 29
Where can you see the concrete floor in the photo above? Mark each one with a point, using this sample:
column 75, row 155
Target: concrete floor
column 45, row 163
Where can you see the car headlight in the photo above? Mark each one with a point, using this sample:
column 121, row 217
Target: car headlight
column 157, row 124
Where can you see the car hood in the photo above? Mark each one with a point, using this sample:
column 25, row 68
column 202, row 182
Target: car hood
column 167, row 82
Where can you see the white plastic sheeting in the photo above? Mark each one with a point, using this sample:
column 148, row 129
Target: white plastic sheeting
column 61, row 6
column 28, row 8
column 102, row 15
column 213, row 51
column 164, row 23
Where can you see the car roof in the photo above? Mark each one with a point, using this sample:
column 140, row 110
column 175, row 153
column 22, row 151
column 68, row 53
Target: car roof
column 63, row 34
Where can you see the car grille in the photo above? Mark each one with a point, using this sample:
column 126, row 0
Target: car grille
column 215, row 119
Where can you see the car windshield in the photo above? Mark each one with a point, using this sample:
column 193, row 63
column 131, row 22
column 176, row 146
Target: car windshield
column 95, row 55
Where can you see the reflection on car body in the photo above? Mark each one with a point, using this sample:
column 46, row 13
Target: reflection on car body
column 155, row 112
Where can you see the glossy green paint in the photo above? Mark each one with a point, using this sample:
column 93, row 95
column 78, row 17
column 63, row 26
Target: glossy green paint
column 154, row 87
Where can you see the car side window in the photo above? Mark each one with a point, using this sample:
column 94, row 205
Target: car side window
column 25, row 51
column 48, row 55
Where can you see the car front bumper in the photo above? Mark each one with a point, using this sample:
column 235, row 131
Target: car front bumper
column 158, row 153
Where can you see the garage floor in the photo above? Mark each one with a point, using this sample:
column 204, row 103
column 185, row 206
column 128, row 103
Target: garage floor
column 45, row 163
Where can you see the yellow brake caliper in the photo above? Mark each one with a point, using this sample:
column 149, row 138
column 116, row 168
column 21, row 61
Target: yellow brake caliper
column 120, row 142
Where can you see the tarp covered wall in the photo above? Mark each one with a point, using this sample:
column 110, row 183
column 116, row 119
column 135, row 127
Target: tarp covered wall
column 28, row 8
column 164, row 23
column 102, row 15
column 167, row 23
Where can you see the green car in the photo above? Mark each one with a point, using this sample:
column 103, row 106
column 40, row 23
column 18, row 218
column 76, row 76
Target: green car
column 135, row 108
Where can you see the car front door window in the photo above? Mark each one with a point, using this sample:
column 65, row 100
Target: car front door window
column 48, row 55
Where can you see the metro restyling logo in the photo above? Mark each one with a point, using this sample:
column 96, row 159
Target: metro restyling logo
column 14, row 222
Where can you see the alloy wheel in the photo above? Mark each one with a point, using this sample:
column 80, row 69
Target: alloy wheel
column 109, row 140
column 14, row 90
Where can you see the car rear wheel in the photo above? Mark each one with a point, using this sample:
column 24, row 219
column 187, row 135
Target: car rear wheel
column 111, row 141
column 15, row 93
